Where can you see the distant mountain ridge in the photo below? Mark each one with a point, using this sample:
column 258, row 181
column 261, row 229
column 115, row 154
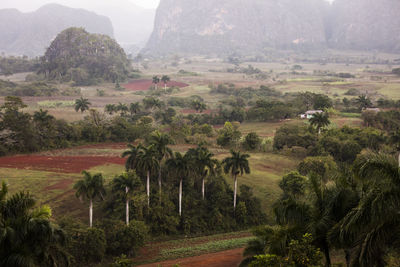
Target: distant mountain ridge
column 218, row 26
column 132, row 24
column 366, row 25
column 229, row 26
column 31, row 33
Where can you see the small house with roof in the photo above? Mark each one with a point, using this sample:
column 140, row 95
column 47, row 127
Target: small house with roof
column 310, row 113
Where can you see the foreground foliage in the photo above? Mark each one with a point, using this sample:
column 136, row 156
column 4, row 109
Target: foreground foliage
column 27, row 237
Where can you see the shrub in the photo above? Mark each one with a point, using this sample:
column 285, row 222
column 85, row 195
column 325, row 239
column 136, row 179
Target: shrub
column 229, row 135
column 122, row 239
column 87, row 245
column 352, row 92
column 396, row 71
column 252, row 141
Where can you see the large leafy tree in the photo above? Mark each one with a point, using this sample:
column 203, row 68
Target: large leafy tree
column 126, row 184
column 160, row 142
column 27, row 237
column 90, row 188
column 147, row 162
column 203, row 163
column 236, row 164
column 320, row 121
column 82, row 104
column 180, row 165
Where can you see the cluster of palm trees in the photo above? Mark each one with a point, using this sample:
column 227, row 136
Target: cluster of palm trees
column 150, row 160
column 357, row 212
column 165, row 79
column 27, row 237
column 123, row 109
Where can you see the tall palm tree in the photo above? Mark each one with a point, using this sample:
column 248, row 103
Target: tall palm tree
column 90, row 188
column 180, row 165
column 199, row 106
column 160, row 142
column 318, row 212
column 151, row 103
column 376, row 218
column 320, row 120
column 147, row 162
column 203, row 163
column 156, row 80
column 134, row 108
column 363, row 102
column 42, row 117
column 165, row 79
column 133, row 157
column 236, row 164
column 82, row 104
column 122, row 108
column 110, row 108
column 27, row 237
column 126, row 183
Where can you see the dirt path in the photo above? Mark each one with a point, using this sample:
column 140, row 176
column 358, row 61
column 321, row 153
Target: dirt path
column 229, row 258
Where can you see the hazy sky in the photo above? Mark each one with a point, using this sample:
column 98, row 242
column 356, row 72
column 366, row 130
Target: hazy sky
column 146, row 3
column 31, row 5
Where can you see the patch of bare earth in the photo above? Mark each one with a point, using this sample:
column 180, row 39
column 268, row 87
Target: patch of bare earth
column 229, row 258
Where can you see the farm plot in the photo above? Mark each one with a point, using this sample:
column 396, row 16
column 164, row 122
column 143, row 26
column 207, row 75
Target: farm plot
column 59, row 164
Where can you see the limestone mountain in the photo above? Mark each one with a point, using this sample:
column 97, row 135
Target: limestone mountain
column 366, row 25
column 231, row 26
column 30, row 33
column 226, row 26
column 83, row 58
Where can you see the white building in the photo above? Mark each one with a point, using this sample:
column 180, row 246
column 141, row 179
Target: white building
column 309, row 114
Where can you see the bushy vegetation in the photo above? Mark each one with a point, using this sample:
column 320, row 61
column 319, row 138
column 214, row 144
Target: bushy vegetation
column 334, row 207
column 22, row 132
column 11, row 65
column 32, row 89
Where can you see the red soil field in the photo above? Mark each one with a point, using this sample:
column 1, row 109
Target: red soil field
column 229, row 258
column 57, row 164
column 144, row 85
column 104, row 146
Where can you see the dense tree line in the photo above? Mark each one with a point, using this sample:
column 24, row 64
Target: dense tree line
column 10, row 65
column 35, row 88
column 22, row 132
column 343, row 144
